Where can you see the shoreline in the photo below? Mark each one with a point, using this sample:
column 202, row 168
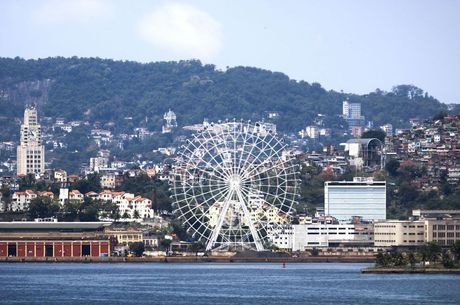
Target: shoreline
column 410, row 271
column 185, row 259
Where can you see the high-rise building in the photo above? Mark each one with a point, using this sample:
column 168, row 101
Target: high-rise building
column 30, row 152
column 361, row 197
column 351, row 112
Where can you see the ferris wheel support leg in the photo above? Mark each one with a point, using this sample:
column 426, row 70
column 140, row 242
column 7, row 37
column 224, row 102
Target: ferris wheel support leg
column 252, row 228
column 216, row 231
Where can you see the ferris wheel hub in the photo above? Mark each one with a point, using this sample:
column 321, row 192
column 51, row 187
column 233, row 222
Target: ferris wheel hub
column 234, row 182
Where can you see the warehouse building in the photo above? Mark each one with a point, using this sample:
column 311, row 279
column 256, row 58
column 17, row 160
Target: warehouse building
column 54, row 239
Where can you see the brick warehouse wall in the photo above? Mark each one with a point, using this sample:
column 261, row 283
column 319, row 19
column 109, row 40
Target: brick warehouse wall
column 24, row 248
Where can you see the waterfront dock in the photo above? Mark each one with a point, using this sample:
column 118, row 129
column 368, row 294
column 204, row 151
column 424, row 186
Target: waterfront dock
column 190, row 259
column 406, row 271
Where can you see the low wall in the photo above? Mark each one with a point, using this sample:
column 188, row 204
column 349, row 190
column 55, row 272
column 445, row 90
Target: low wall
column 189, row 259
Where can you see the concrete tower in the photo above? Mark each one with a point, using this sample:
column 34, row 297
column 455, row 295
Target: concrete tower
column 30, row 152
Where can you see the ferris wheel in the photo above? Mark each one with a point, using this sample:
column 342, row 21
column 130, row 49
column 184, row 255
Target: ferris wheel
column 232, row 180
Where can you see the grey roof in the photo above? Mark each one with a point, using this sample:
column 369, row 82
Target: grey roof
column 22, row 225
column 364, row 141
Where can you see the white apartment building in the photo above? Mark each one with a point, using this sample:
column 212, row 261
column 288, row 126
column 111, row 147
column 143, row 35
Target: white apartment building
column 108, row 181
column 60, row 175
column 98, row 163
column 351, row 110
column 361, row 197
column 20, row 200
column 30, row 151
column 388, row 129
column 128, row 204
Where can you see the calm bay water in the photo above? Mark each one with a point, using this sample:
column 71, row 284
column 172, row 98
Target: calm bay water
column 330, row 283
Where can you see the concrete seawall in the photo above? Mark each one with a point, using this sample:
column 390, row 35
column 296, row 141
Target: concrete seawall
column 189, row 259
column 405, row 271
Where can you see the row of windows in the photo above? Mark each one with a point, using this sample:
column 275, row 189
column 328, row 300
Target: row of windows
column 449, row 227
column 449, row 234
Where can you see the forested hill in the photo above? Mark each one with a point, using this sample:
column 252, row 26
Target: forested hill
column 107, row 90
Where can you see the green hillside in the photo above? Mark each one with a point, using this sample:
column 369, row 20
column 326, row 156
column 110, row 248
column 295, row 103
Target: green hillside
column 107, row 90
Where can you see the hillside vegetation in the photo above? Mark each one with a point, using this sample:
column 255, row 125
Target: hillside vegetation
column 110, row 91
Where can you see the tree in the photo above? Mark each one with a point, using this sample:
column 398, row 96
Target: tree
column 91, row 183
column 455, row 249
column 430, row 251
column 446, row 260
column 380, row 260
column 165, row 243
column 42, row 207
column 411, row 259
column 440, row 116
column 137, row 248
column 374, row 133
column 392, row 167
column 136, row 214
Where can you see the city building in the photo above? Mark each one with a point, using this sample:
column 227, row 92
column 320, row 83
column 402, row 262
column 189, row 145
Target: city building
column 445, row 232
column 124, row 237
column 171, row 123
column 397, row 233
column 307, row 236
column 98, row 163
column 20, row 200
column 351, row 112
column 365, row 152
column 388, row 129
column 54, row 239
column 30, row 152
column 60, row 175
column 361, row 197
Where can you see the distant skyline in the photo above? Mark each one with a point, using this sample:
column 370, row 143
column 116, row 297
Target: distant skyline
column 354, row 46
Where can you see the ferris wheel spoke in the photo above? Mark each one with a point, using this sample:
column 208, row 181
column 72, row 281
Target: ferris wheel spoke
column 248, row 164
column 281, row 165
column 215, row 165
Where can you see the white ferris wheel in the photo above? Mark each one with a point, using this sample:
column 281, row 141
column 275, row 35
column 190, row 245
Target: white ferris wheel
column 230, row 182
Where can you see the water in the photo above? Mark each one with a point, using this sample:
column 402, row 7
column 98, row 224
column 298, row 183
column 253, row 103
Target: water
column 150, row 283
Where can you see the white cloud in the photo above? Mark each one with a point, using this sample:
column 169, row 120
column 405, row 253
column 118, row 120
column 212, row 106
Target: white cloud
column 183, row 30
column 72, row 11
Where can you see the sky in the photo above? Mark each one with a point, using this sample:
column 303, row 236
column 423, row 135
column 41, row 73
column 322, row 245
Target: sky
column 350, row 45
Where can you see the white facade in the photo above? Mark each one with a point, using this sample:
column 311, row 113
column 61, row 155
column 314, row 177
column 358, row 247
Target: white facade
column 30, row 152
column 388, row 129
column 351, row 110
column 98, row 163
column 129, row 205
column 108, row 181
column 20, row 200
column 170, row 118
column 393, row 233
column 364, row 198
column 307, row 236
column 60, row 176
